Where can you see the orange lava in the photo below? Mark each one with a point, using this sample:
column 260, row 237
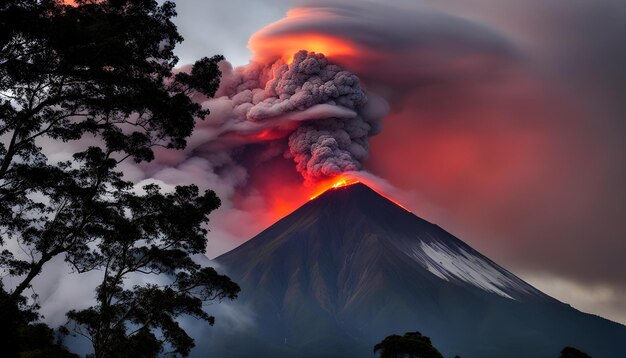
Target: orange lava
column 342, row 181
column 334, row 183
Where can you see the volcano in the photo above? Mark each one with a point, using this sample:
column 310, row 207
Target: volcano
column 350, row 267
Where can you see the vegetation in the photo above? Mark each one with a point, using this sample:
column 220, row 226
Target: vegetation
column 570, row 352
column 410, row 345
column 24, row 338
column 96, row 80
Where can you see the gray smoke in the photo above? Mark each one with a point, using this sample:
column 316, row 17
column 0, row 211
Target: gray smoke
column 320, row 107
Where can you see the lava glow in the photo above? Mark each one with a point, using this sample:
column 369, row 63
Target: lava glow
column 276, row 196
column 267, row 134
column 334, row 183
column 343, row 181
column 286, row 45
column 340, row 184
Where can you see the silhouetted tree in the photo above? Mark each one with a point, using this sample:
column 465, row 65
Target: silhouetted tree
column 570, row 352
column 411, row 345
column 151, row 234
column 28, row 339
column 96, row 81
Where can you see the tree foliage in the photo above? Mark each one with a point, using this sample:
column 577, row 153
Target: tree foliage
column 28, row 339
column 410, row 345
column 151, row 234
column 83, row 88
column 571, row 352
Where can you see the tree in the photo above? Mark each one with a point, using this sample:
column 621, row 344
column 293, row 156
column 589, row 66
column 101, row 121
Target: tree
column 28, row 340
column 570, row 352
column 412, row 344
column 151, row 234
column 96, row 80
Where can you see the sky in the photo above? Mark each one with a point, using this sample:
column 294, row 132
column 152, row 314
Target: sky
column 500, row 121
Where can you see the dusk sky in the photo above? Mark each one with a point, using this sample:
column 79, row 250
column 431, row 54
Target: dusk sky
column 500, row 121
column 505, row 124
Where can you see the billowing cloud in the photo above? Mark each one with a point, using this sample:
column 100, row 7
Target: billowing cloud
column 310, row 110
column 392, row 47
column 327, row 101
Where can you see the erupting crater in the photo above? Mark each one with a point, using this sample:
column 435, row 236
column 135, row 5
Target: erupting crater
column 335, row 183
column 343, row 181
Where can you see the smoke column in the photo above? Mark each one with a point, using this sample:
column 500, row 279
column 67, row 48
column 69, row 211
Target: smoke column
column 318, row 106
column 315, row 108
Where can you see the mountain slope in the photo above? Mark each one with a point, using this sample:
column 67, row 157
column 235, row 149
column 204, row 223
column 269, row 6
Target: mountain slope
column 350, row 267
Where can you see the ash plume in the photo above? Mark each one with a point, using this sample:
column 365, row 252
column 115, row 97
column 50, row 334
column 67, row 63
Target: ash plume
column 316, row 107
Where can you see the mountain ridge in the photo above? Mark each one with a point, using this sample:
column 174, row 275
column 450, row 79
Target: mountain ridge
column 363, row 196
column 350, row 267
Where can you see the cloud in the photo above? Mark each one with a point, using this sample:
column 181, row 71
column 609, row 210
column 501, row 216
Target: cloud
column 601, row 299
column 223, row 27
column 395, row 46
